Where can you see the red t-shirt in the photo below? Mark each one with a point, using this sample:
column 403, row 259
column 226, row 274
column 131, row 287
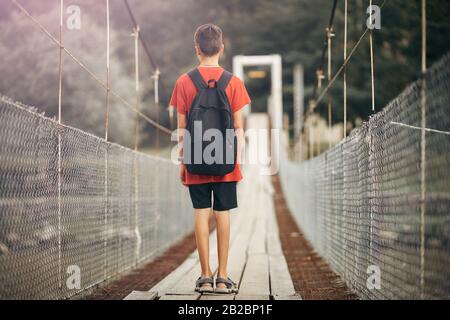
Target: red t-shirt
column 184, row 94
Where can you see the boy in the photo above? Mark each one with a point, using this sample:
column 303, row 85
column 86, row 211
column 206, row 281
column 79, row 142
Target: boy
column 209, row 47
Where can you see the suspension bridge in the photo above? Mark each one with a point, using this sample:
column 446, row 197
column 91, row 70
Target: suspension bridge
column 369, row 217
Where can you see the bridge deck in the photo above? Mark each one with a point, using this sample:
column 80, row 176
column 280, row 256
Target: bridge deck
column 256, row 262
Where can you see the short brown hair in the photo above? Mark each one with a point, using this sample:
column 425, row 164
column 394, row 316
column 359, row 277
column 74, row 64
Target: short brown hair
column 208, row 38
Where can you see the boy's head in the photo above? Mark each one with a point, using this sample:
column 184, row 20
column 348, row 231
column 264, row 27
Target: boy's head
column 208, row 40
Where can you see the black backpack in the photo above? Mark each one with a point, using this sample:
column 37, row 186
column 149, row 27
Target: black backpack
column 210, row 108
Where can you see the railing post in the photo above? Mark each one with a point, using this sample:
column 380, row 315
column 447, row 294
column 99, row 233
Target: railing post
column 106, row 137
column 299, row 93
column 156, row 97
column 136, row 143
column 423, row 104
column 330, row 35
column 308, row 124
column 135, row 35
column 320, row 77
column 61, row 48
column 311, row 135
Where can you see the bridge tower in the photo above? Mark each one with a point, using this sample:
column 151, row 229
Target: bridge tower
column 275, row 103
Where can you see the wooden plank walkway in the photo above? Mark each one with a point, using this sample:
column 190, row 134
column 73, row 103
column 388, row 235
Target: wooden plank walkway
column 256, row 262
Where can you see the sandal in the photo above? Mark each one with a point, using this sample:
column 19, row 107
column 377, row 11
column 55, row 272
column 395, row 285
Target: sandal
column 201, row 284
column 231, row 286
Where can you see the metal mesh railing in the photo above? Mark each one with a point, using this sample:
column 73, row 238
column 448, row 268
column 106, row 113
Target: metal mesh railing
column 365, row 201
column 105, row 211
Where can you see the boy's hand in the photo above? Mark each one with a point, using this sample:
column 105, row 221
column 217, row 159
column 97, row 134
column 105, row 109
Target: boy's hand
column 183, row 174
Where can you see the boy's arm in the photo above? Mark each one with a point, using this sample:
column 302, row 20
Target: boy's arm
column 239, row 127
column 239, row 99
column 181, row 128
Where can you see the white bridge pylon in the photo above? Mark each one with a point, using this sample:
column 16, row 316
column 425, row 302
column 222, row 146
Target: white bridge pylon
column 275, row 103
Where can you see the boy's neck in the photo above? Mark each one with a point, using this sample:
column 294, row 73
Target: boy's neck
column 209, row 61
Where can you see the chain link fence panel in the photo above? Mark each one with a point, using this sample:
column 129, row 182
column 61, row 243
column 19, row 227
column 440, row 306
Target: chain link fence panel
column 361, row 204
column 70, row 201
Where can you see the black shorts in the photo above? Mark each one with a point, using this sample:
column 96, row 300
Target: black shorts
column 224, row 193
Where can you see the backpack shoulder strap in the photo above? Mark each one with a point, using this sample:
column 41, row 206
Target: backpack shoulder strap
column 224, row 79
column 197, row 79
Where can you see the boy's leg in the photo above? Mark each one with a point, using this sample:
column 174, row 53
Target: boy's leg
column 202, row 239
column 225, row 199
column 201, row 200
column 223, row 241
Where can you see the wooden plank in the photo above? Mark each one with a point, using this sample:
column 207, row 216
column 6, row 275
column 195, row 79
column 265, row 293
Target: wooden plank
column 238, row 249
column 141, row 295
column 237, row 258
column 255, row 277
column 273, row 236
column 217, row 297
column 172, row 279
column 291, row 297
column 252, row 297
column 273, row 239
column 280, row 278
column 257, row 241
column 255, row 280
column 180, row 297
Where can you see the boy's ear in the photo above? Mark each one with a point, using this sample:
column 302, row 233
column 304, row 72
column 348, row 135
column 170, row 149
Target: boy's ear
column 198, row 51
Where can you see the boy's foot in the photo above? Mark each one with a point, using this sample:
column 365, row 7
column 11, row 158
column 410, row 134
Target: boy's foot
column 204, row 284
column 225, row 285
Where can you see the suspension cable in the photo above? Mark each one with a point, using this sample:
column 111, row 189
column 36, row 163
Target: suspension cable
column 317, row 100
column 83, row 66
